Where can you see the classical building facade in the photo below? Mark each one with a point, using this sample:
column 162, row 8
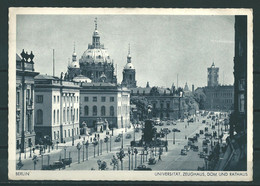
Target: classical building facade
column 25, row 134
column 164, row 103
column 213, row 76
column 95, row 63
column 104, row 104
column 56, row 108
column 129, row 79
column 219, row 97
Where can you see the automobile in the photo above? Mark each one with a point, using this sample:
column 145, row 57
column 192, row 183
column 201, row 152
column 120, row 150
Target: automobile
column 128, row 136
column 207, row 140
column 118, row 139
column 201, row 132
column 187, row 147
column 66, row 161
column 57, row 165
column 168, row 123
column 120, row 135
column 197, row 134
column 206, row 129
column 204, row 143
column 156, row 121
column 191, row 120
column 183, row 152
column 195, row 148
column 142, row 167
column 213, row 127
column 202, row 154
column 203, row 121
column 161, row 124
column 152, row 161
column 175, row 130
column 166, row 130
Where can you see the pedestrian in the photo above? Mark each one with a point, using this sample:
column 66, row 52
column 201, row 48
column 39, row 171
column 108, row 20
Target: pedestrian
column 33, row 149
column 159, row 159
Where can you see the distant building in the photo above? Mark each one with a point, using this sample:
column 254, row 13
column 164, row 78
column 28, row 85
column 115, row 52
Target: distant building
column 129, row 73
column 104, row 106
column 213, row 76
column 219, row 97
column 164, row 103
column 56, row 109
column 95, row 63
column 25, row 134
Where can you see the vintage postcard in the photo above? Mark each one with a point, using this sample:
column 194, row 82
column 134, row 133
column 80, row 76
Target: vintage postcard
column 130, row 94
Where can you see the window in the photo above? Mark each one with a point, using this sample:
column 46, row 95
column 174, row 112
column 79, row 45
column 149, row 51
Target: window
column 58, row 116
column 241, row 103
column 54, row 134
column 58, row 99
column 39, row 116
column 64, row 115
column 112, row 111
column 103, row 99
column 77, row 99
column 39, row 99
column 65, row 135
column 95, row 99
column 68, row 113
column 17, row 98
column 54, row 99
column 168, row 105
column 54, row 116
column 161, row 105
column 72, row 117
column 77, row 130
column 86, row 99
column 77, row 114
column 112, row 99
column 58, row 134
column 241, row 84
column 94, row 110
column 86, row 110
column 69, row 132
column 103, row 111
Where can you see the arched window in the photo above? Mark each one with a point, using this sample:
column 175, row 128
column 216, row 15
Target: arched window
column 77, row 114
column 63, row 115
column 54, row 135
column 112, row 112
column 94, row 111
column 68, row 113
column 103, row 111
column 86, row 110
column 58, row 116
column 54, row 116
column 71, row 115
column 65, row 135
column 39, row 117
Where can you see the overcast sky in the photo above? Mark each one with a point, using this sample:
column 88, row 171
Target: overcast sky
column 161, row 46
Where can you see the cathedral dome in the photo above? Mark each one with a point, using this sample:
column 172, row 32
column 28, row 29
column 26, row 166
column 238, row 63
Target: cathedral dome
column 95, row 55
column 129, row 66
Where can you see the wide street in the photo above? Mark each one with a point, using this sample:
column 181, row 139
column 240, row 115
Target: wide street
column 171, row 160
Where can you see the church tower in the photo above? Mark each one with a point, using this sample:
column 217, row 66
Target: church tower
column 213, row 76
column 129, row 73
column 73, row 67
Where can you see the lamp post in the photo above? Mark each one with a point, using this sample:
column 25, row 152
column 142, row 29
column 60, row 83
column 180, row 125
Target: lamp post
column 110, row 139
column 83, row 153
column 173, row 138
column 129, row 154
column 73, row 130
column 87, row 144
column 78, row 147
column 136, row 152
column 98, row 145
column 122, row 145
column 132, row 150
column 65, row 149
column 101, row 142
column 24, row 149
column 30, row 144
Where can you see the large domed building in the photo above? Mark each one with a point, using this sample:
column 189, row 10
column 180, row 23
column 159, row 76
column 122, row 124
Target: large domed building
column 129, row 73
column 95, row 63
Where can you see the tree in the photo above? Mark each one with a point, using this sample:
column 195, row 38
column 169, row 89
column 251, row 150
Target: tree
column 200, row 97
column 154, row 91
column 141, row 105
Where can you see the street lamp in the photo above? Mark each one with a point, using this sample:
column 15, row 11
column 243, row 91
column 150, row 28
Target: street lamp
column 78, row 147
column 83, row 153
column 30, row 144
column 73, row 130
column 87, row 144
column 122, row 146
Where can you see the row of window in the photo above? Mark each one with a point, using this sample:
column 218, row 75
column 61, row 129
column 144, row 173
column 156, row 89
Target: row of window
column 56, row 99
column 227, row 100
column 162, row 105
column 56, row 116
column 94, row 99
column 225, row 94
column 57, row 135
column 103, row 111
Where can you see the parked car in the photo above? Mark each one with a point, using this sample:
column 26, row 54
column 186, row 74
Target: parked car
column 187, row 147
column 201, row 132
column 161, row 124
column 197, row 134
column 66, row 161
column 175, row 130
column 152, row 161
column 183, row 152
column 120, row 135
column 142, row 167
column 191, row 120
column 118, row 139
column 57, row 165
column 128, row 136
column 206, row 129
column 195, row 148
column 213, row 127
column 203, row 121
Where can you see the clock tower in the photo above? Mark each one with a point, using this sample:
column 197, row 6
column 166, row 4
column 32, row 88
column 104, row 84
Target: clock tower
column 213, row 76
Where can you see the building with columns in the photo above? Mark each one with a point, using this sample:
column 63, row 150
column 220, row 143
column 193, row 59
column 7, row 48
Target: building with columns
column 129, row 79
column 56, row 109
column 25, row 134
column 104, row 104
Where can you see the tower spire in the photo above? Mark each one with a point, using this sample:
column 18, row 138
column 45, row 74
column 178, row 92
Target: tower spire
column 95, row 23
column 74, row 48
column 129, row 49
column 129, row 56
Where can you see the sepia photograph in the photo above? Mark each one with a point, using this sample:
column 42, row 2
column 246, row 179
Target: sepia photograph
column 130, row 94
